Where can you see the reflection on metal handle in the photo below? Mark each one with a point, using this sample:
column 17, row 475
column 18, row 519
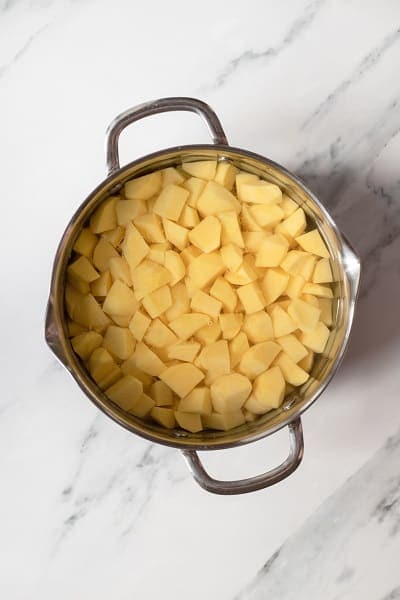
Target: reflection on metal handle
column 242, row 486
column 152, row 108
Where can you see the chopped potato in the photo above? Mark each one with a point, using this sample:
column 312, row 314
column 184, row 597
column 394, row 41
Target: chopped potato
column 258, row 327
column 258, row 358
column 182, row 378
column 205, row 169
column 207, row 234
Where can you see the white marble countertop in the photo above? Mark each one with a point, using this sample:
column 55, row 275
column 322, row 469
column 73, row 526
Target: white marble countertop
column 91, row 511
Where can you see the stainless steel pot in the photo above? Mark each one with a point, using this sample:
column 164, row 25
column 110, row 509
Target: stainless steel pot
column 346, row 267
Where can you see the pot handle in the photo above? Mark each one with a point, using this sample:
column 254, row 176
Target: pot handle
column 152, row 108
column 259, row 482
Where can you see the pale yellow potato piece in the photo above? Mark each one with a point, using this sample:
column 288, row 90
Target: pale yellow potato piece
column 274, row 284
column 189, row 217
column 146, row 360
column 148, row 277
column 295, row 286
column 293, row 347
column 85, row 243
column 237, row 347
column 84, row 343
column 244, row 275
column 306, row 363
column 175, row 265
column 224, row 421
column 215, row 358
column 114, row 236
column 119, row 341
column 73, row 298
column 230, row 228
column 189, row 254
column 89, row 313
column 204, row 169
column 102, row 254
column 182, row 378
column 282, row 322
column 308, row 268
column 103, row 369
column 232, row 256
column 244, row 177
column 119, row 269
column 186, row 325
column 313, row 300
column 129, row 210
column 150, row 227
column 191, row 287
column 207, row 234
column 198, row 402
column 157, row 252
column 142, row 406
column 294, row 262
column 180, row 302
column 229, row 392
column 159, row 335
column 203, row 303
column 163, row 416
column 251, row 297
column 139, row 325
column 223, row 291
column 295, row 224
column 316, row 289
column 189, row 421
column 291, row 372
column 204, row 269
column 184, row 351
column 161, row 394
column 176, row 234
column 253, row 239
column 272, row 251
column 126, row 392
column 143, row 188
column 267, row 215
column 249, row 416
column 288, row 205
column 170, row 202
column 171, row 175
column 81, row 286
column 104, row 217
column 134, row 247
column 226, row 174
column 120, row 300
column 230, row 324
column 259, row 192
column 322, row 272
column 316, row 339
column 195, row 186
column 215, row 199
column 258, row 327
column 325, row 305
column 208, row 334
column 158, row 302
column 312, row 242
column 74, row 329
column 255, row 407
column 258, row 358
column 129, row 367
column 303, row 314
column 121, row 321
column 269, row 388
column 83, row 269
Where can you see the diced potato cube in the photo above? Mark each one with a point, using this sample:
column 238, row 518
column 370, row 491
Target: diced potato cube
column 282, row 322
column 163, row 416
column 253, row 239
column 195, row 187
column 142, row 407
column 274, row 284
column 316, row 339
column 244, row 177
column 159, row 335
column 171, row 175
column 147, row 361
column 189, row 421
column 101, row 286
column 74, row 329
column 90, row 314
column 251, row 297
column 85, row 343
column 322, row 272
column 230, row 324
column 272, row 251
column 249, row 416
column 139, row 325
column 292, row 373
column 312, row 242
column 224, row 292
column 114, row 236
column 204, row 269
column 150, row 227
column 120, row 300
column 294, row 262
column 148, row 277
column 248, row 222
column 158, row 301
column 102, row 367
column 244, row 275
column 129, row 210
column 215, row 357
column 203, row 303
column 232, row 256
column 186, row 325
column 180, row 302
column 255, row 407
column 176, row 234
column 119, row 269
column 189, row 254
column 102, row 254
column 303, row 314
column 121, row 321
column 125, row 392
column 170, row 202
column 216, row 199
column 230, row 228
column 316, row 289
column 269, row 388
column 295, row 224
column 259, row 192
column 184, row 351
column 143, row 188
column 85, row 243
column 83, row 269
column 325, row 305
column 157, row 252
column 258, row 358
column 306, row 363
column 119, row 342
column 226, row 174
column 73, row 299
column 288, row 205
column 129, row 367
column 161, row 394
column 204, row 169
column 224, row 421
column 104, row 217
column 258, row 327
column 293, row 347
column 182, row 378
column 237, row 347
column 134, row 247
column 112, row 376
column 267, row 215
column 198, row 402
column 82, row 286
column 295, row 286
column 207, row 234
column 208, row 334
column 189, row 217
column 230, row 392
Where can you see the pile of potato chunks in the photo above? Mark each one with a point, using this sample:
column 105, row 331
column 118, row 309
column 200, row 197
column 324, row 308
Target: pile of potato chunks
column 197, row 297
